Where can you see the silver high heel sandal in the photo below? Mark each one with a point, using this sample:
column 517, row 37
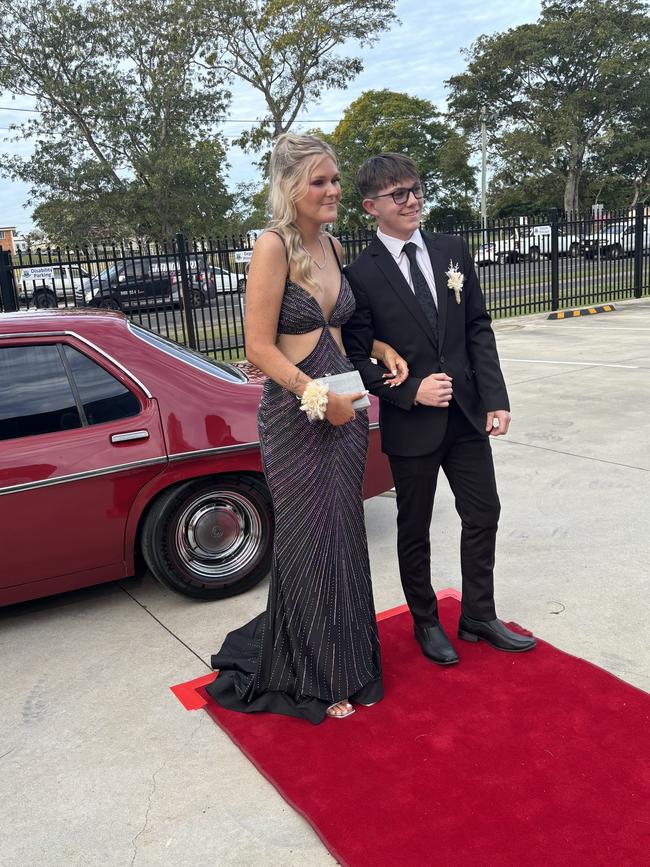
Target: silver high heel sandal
column 331, row 710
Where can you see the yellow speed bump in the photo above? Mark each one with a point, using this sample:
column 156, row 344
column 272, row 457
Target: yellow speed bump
column 582, row 311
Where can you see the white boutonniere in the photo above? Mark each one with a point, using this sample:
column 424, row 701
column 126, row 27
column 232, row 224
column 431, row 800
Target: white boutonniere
column 455, row 280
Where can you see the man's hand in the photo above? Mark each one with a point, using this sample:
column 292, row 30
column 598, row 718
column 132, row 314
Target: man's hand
column 497, row 422
column 435, row 390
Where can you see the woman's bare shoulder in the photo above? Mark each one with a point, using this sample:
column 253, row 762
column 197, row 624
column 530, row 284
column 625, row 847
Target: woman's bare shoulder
column 268, row 267
column 270, row 241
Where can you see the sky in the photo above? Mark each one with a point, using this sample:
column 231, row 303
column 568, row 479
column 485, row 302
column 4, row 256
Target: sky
column 414, row 57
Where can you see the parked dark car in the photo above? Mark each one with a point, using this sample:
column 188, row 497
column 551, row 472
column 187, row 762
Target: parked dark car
column 132, row 284
column 116, row 442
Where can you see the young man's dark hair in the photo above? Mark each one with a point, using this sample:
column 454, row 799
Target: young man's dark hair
column 381, row 171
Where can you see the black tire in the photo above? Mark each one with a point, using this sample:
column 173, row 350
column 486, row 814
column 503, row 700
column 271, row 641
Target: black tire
column 210, row 538
column 615, row 252
column 533, row 254
column 109, row 302
column 241, row 284
column 198, row 298
column 574, row 250
column 45, row 299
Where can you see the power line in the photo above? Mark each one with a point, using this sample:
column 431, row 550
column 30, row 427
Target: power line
column 220, row 120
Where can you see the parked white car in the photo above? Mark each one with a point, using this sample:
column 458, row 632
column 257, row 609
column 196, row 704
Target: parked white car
column 616, row 240
column 530, row 242
column 46, row 285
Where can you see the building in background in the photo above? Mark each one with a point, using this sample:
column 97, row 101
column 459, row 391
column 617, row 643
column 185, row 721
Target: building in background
column 21, row 243
column 7, row 234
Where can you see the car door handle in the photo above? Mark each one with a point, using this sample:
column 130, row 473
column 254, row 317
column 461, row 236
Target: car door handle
column 127, row 436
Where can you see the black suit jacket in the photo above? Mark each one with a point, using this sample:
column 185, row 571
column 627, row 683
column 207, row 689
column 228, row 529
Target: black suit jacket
column 464, row 346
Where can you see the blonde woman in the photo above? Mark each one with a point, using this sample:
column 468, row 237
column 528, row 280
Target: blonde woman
column 314, row 651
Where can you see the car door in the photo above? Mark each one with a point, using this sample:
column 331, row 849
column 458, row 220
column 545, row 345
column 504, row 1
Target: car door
column 78, row 440
column 155, row 281
column 133, row 283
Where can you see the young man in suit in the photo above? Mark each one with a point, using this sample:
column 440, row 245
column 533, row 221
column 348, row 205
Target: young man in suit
column 419, row 293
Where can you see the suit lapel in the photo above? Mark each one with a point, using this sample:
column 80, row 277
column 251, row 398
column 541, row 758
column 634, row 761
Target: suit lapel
column 398, row 284
column 439, row 266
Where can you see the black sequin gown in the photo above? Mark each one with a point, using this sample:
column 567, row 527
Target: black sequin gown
column 317, row 642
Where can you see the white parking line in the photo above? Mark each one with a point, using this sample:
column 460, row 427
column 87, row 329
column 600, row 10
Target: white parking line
column 575, row 363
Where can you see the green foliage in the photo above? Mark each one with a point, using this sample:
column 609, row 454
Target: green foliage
column 286, row 49
column 124, row 142
column 248, row 212
column 381, row 120
column 562, row 82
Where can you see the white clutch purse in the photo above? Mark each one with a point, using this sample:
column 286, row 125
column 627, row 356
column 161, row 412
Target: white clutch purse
column 347, row 383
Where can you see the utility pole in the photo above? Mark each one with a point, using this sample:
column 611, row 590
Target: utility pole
column 483, row 166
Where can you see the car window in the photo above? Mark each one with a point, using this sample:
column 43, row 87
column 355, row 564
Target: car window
column 103, row 397
column 35, row 393
column 106, row 276
column 135, row 269
column 195, row 359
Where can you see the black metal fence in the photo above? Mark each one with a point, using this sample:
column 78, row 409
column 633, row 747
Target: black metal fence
column 194, row 292
column 531, row 266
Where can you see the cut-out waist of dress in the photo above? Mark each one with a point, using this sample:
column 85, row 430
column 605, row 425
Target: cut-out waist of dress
column 301, row 313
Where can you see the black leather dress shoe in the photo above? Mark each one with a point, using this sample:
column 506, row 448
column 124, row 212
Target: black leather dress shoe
column 435, row 644
column 495, row 633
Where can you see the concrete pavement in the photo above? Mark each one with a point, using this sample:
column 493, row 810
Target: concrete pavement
column 100, row 764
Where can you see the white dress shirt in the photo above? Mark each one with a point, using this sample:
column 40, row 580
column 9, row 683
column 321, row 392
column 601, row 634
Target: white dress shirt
column 395, row 247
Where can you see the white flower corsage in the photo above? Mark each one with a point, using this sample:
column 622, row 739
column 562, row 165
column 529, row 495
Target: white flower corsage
column 314, row 400
column 455, row 280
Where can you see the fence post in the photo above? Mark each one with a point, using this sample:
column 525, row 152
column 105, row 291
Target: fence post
column 555, row 262
column 186, row 291
column 8, row 295
column 638, row 248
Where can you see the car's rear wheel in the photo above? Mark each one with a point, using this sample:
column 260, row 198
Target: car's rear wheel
column 574, row 250
column 198, row 298
column 45, row 299
column 109, row 302
column 534, row 254
column 212, row 537
column 615, row 251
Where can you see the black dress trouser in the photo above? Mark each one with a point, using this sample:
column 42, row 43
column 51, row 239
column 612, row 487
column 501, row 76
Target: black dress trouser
column 466, row 459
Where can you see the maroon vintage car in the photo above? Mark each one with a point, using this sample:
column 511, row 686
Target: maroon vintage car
column 115, row 441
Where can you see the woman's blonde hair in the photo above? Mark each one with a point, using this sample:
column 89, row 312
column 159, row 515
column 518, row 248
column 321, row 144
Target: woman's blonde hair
column 293, row 159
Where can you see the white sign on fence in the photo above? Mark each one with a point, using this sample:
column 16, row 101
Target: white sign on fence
column 243, row 256
column 41, row 272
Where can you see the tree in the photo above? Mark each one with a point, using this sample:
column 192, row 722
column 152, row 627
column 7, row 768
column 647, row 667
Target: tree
column 124, row 138
column 578, row 70
column 621, row 163
column 248, row 212
column 381, row 120
column 285, row 50
column 525, row 179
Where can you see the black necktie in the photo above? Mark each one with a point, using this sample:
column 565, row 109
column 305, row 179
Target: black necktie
column 421, row 287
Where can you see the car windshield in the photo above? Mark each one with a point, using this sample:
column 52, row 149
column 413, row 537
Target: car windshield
column 217, row 368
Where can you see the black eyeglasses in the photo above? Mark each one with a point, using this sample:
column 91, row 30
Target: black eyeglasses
column 401, row 195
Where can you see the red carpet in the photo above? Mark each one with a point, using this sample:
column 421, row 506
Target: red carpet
column 536, row 759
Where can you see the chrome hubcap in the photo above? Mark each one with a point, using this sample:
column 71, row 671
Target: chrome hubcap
column 218, row 534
